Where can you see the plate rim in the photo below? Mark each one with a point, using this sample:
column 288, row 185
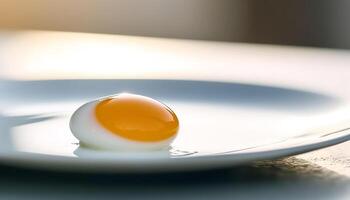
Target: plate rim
column 89, row 165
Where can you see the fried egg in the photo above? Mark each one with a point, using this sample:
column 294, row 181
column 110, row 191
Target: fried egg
column 125, row 122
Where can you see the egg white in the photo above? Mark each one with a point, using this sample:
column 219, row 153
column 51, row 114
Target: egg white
column 89, row 132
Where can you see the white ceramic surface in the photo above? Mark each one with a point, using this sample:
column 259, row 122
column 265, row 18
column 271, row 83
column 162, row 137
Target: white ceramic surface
column 222, row 124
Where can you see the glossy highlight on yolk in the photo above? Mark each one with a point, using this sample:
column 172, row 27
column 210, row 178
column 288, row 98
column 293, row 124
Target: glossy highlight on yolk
column 137, row 118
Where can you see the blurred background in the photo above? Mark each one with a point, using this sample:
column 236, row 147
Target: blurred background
column 318, row 23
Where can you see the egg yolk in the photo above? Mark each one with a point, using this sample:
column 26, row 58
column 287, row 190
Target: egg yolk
column 137, row 118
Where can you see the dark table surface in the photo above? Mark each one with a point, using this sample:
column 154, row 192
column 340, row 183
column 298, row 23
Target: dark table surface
column 289, row 178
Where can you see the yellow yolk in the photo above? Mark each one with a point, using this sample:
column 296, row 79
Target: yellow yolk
column 137, row 118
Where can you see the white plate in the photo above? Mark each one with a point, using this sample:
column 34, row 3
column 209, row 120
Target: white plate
column 222, row 124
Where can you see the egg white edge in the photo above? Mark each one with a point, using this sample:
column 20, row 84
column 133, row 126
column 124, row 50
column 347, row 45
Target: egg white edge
column 89, row 132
